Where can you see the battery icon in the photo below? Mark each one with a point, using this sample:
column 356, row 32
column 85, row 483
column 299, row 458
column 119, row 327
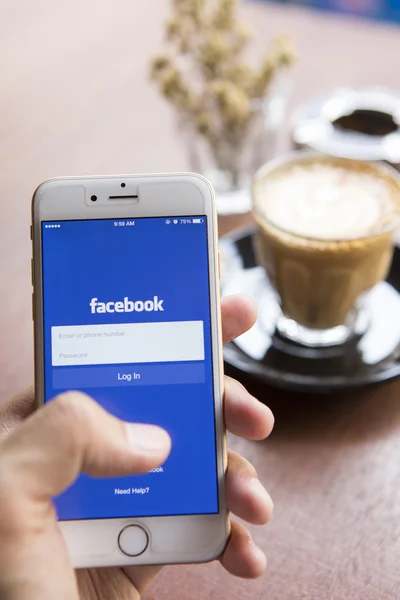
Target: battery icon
column 197, row 220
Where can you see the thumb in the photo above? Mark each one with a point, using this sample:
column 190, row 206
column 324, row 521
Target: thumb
column 73, row 434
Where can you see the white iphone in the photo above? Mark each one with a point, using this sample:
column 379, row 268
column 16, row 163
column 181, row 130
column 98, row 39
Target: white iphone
column 126, row 308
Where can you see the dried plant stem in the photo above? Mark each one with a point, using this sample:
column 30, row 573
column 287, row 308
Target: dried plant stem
column 208, row 81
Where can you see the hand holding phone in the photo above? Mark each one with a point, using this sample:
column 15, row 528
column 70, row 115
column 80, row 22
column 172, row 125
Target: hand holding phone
column 35, row 540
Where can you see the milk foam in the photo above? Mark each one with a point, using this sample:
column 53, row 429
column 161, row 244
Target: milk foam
column 324, row 201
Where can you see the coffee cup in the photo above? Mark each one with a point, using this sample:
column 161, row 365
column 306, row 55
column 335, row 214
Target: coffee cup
column 325, row 235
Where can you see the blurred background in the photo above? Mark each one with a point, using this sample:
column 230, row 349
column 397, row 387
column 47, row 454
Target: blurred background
column 76, row 98
column 385, row 10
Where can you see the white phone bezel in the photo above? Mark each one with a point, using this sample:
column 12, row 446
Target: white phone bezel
column 176, row 539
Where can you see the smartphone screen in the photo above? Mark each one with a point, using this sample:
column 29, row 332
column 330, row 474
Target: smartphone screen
column 127, row 320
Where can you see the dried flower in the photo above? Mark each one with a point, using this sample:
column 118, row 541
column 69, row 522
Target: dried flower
column 263, row 77
column 173, row 88
column 233, row 102
column 173, row 29
column 203, row 123
column 284, row 50
column 241, row 37
column 214, row 51
column 207, row 79
column 196, row 8
column 159, row 65
column 223, row 17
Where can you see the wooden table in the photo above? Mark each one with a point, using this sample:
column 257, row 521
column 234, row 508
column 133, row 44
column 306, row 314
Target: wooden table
column 75, row 100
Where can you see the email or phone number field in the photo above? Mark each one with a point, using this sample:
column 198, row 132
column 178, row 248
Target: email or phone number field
column 160, row 342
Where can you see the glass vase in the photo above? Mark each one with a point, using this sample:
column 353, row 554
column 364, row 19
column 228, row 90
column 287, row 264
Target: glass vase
column 260, row 144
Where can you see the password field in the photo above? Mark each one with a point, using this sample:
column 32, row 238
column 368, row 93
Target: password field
column 172, row 341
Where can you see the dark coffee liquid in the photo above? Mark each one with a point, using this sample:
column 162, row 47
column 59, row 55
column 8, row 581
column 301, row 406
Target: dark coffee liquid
column 369, row 122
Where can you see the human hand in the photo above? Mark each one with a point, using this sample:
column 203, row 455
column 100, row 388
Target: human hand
column 43, row 455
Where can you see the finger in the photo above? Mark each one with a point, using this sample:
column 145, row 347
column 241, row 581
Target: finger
column 142, row 576
column 246, row 501
column 246, row 497
column 16, row 410
column 73, row 434
column 246, row 416
column 239, row 313
column 242, row 557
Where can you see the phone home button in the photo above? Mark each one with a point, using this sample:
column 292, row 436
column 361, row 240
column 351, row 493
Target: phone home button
column 133, row 540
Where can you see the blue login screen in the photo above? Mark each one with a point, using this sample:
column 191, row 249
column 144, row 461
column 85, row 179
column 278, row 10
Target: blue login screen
column 127, row 320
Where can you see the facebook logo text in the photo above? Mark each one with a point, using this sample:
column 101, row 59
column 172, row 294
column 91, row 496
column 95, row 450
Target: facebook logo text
column 126, row 305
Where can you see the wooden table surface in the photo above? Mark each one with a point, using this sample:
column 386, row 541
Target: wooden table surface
column 75, row 100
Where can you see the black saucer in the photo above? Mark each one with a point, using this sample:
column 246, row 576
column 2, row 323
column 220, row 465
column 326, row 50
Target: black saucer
column 262, row 353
